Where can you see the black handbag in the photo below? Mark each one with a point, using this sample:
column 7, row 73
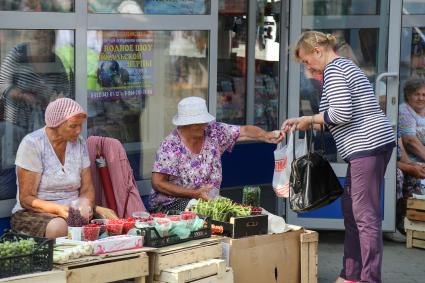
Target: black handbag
column 313, row 183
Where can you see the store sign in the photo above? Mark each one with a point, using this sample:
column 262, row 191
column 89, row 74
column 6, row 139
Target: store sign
column 124, row 66
column 172, row 7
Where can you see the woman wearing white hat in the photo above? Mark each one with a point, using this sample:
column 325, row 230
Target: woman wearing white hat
column 188, row 161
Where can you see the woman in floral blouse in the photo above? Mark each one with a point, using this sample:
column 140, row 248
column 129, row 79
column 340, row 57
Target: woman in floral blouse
column 188, row 161
column 412, row 130
column 412, row 119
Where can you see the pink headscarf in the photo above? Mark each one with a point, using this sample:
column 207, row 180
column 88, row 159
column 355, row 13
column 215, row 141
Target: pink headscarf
column 60, row 110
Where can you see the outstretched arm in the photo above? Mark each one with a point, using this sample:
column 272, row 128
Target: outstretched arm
column 303, row 123
column 251, row 133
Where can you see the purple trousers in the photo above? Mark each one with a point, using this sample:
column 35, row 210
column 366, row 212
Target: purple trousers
column 361, row 206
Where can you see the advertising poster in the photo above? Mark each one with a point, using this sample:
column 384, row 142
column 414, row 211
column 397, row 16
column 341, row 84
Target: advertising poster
column 182, row 7
column 418, row 53
column 124, row 66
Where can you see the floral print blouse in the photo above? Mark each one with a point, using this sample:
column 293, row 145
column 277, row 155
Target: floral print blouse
column 411, row 123
column 191, row 170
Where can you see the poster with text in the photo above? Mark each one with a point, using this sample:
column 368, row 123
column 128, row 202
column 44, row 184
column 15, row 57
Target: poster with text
column 172, row 7
column 124, row 66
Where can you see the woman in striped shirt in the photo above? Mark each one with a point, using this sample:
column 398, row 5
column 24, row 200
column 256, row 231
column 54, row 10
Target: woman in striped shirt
column 364, row 139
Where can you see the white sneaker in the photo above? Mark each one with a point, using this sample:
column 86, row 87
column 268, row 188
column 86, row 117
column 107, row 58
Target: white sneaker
column 395, row 237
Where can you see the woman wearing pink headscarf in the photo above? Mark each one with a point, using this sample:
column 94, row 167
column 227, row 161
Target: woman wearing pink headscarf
column 53, row 169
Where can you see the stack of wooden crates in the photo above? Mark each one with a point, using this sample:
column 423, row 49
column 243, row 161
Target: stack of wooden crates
column 414, row 223
column 283, row 258
column 197, row 261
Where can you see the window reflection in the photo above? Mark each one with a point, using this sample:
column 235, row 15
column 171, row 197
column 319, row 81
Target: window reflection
column 135, row 80
column 413, row 7
column 267, row 65
column 412, row 57
column 37, row 5
column 232, row 62
column 37, row 66
column 340, row 7
column 170, row 7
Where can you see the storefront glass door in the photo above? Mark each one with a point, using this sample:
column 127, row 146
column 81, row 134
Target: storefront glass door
column 362, row 30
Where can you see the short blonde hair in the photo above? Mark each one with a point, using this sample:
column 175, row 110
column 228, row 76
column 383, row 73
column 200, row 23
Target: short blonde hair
column 311, row 39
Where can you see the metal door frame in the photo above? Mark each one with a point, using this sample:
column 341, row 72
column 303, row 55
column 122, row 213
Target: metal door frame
column 393, row 24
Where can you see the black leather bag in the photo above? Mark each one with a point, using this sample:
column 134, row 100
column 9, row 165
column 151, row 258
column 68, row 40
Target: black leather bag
column 313, row 183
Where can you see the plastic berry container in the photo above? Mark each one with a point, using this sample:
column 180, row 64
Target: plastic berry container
column 140, row 215
column 174, row 218
column 91, row 232
column 188, row 215
column 114, row 227
column 102, row 225
column 128, row 224
column 163, row 226
column 158, row 215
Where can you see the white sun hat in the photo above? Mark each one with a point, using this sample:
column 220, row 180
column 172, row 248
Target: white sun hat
column 192, row 110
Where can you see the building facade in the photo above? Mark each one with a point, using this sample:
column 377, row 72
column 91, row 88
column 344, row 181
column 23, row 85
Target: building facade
column 129, row 62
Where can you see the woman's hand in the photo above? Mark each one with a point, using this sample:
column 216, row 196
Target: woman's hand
column 418, row 170
column 302, row 124
column 289, row 125
column 203, row 192
column 274, row 137
column 62, row 211
column 106, row 213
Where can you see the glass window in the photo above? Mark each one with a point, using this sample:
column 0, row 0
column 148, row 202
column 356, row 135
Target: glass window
column 411, row 107
column 37, row 66
column 339, row 8
column 169, row 7
column 413, row 7
column 136, row 79
column 412, row 61
column 37, row 5
column 232, row 62
column 266, row 101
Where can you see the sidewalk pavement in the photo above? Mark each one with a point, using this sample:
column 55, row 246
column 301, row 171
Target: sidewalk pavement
column 400, row 265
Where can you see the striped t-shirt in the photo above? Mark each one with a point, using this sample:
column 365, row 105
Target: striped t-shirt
column 352, row 112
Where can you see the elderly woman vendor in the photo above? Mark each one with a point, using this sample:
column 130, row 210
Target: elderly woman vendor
column 188, row 161
column 53, row 169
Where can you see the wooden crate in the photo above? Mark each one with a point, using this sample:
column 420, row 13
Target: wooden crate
column 309, row 258
column 108, row 267
column 192, row 271
column 415, row 209
column 227, row 277
column 415, row 233
column 54, row 276
column 184, row 253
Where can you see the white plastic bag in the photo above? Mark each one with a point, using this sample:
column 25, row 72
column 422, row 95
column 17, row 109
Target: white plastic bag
column 283, row 157
column 276, row 224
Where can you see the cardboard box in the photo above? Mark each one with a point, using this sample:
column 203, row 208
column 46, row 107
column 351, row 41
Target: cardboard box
column 244, row 226
column 265, row 258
